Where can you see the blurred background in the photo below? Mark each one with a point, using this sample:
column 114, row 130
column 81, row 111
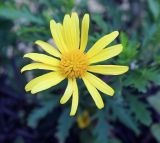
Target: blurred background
column 131, row 116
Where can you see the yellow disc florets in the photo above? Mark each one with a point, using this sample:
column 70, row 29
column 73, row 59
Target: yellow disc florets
column 74, row 64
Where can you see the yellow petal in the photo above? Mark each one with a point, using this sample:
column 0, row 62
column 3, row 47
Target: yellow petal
column 53, row 28
column 106, row 53
column 108, row 69
column 94, row 93
column 65, row 38
column 38, row 66
column 84, row 32
column 102, row 43
column 56, row 31
column 75, row 28
column 42, row 58
column 69, row 32
column 61, row 42
column 48, row 48
column 44, row 82
column 68, row 92
column 74, row 98
column 52, row 25
column 99, row 84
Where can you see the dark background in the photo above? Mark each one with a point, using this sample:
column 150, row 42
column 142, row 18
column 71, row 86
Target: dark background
column 131, row 116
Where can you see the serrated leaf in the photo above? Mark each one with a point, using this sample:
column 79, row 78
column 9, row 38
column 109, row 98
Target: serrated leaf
column 142, row 78
column 124, row 39
column 64, row 125
column 39, row 113
column 153, row 75
column 123, row 115
column 138, row 108
column 101, row 128
column 135, row 79
column 100, row 22
column 155, row 129
column 155, row 101
column 149, row 35
column 130, row 51
column 11, row 12
column 154, row 7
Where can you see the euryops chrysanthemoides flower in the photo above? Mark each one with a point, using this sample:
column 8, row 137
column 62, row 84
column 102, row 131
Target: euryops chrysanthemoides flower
column 70, row 60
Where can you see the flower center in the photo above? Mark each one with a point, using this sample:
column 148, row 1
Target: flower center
column 74, row 64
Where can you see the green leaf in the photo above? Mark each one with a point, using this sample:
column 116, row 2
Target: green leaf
column 124, row 39
column 153, row 75
column 155, row 129
column 141, row 78
column 154, row 7
column 39, row 113
column 138, row 108
column 11, row 12
column 64, row 125
column 149, row 35
column 100, row 22
column 101, row 130
column 136, row 80
column 124, row 116
column 155, row 101
column 67, row 4
column 130, row 50
column 38, row 32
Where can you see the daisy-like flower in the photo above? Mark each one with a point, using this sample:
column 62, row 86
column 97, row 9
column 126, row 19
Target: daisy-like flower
column 70, row 60
column 84, row 120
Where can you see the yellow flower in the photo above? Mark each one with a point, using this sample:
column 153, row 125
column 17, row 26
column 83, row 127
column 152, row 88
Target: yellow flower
column 83, row 120
column 70, row 60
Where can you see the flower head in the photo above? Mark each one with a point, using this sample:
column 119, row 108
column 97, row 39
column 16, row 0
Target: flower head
column 84, row 120
column 70, row 60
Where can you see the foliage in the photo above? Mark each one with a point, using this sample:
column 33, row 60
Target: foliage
column 132, row 115
column 155, row 129
column 64, row 125
column 155, row 101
